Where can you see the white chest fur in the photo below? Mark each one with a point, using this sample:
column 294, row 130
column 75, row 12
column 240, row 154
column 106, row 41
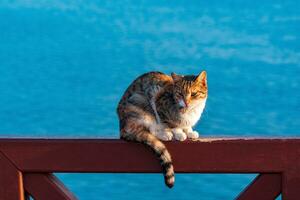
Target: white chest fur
column 193, row 114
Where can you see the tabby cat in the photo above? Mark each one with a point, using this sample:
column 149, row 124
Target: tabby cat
column 159, row 107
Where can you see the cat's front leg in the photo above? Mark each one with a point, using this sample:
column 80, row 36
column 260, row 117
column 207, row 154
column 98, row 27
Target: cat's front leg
column 191, row 133
column 179, row 134
column 161, row 133
column 153, row 106
column 152, row 93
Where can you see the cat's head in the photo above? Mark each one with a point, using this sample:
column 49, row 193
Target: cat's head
column 189, row 91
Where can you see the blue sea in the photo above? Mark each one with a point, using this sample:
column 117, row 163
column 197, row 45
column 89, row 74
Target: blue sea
column 65, row 64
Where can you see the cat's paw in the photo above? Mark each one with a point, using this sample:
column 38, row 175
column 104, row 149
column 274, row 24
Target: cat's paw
column 179, row 134
column 193, row 135
column 164, row 135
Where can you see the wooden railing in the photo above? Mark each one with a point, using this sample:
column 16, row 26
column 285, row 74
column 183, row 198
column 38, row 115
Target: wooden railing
column 26, row 165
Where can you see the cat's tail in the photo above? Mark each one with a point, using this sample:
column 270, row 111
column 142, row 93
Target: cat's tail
column 159, row 149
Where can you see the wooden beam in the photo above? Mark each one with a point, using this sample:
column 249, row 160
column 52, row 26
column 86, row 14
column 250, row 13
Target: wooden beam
column 46, row 187
column 117, row 156
column 264, row 186
column 217, row 155
column 11, row 181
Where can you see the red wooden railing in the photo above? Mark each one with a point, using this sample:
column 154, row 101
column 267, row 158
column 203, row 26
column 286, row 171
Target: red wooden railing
column 26, row 165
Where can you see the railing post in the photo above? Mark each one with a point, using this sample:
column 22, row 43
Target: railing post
column 11, row 180
column 291, row 185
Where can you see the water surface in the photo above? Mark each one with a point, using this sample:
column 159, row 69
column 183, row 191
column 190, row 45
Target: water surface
column 65, row 64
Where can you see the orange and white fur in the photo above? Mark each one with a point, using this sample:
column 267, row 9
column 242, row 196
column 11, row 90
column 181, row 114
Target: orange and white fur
column 157, row 107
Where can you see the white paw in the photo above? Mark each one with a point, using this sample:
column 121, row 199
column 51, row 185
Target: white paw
column 164, row 135
column 190, row 133
column 179, row 134
column 193, row 135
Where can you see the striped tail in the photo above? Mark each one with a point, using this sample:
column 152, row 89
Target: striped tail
column 160, row 151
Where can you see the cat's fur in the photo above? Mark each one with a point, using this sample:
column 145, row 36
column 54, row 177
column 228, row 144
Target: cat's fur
column 160, row 107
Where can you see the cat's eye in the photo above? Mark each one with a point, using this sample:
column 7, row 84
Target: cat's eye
column 202, row 94
column 194, row 94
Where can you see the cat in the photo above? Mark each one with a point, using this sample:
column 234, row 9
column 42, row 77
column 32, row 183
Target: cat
column 157, row 107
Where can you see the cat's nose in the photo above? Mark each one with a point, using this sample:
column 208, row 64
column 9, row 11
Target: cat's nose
column 182, row 104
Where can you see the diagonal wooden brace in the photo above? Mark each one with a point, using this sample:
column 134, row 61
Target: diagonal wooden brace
column 264, row 186
column 46, row 187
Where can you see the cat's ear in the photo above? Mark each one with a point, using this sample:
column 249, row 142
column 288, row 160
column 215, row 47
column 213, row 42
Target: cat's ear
column 202, row 78
column 176, row 77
